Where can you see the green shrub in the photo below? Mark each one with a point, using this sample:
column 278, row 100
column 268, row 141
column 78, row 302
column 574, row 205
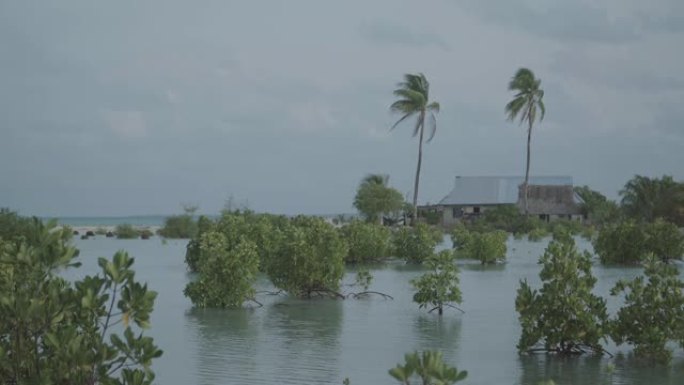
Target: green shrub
column 485, row 247
column 665, row 240
column 126, row 231
column 367, row 242
column 227, row 272
column 100, row 231
column 16, row 228
column 416, row 244
column 308, row 259
column 438, row 287
column 179, row 227
column 564, row 316
column 146, row 233
column 630, row 242
column 653, row 311
column 55, row 331
column 537, row 234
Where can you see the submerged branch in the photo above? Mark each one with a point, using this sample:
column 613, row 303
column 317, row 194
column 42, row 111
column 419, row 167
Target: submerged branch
column 368, row 292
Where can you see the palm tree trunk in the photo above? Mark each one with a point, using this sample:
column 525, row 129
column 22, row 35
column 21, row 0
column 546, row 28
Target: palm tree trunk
column 421, row 123
column 527, row 169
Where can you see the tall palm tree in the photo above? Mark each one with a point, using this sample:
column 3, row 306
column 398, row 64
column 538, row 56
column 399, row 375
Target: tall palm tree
column 413, row 94
column 527, row 100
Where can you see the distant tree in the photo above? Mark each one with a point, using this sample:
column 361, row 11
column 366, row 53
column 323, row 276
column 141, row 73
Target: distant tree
column 527, row 100
column 646, row 199
column 413, row 94
column 430, row 369
column 595, row 206
column 653, row 311
column 416, row 244
column 53, row 331
column 564, row 316
column 439, row 286
column 374, row 198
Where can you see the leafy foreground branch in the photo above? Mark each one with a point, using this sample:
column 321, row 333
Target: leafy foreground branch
column 56, row 332
column 428, row 368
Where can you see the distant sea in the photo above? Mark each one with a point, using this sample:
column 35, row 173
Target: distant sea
column 139, row 220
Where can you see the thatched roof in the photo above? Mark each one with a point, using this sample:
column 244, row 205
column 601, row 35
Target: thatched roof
column 547, row 199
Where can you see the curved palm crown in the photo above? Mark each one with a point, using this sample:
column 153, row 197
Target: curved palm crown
column 413, row 94
column 526, row 102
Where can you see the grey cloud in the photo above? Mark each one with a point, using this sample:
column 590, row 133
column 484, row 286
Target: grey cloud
column 556, row 19
column 386, row 33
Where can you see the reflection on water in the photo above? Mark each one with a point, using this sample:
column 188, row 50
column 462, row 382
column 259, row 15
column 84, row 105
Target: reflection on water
column 225, row 339
column 439, row 333
column 292, row 341
column 564, row 370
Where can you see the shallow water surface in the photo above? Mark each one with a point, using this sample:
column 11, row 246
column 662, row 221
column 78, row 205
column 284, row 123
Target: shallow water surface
column 291, row 341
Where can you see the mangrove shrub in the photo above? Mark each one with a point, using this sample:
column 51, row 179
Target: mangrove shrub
column 367, row 242
column 629, row 242
column 309, row 258
column 564, row 316
column 653, row 311
column 486, row 247
column 438, row 287
column 226, row 272
column 416, row 244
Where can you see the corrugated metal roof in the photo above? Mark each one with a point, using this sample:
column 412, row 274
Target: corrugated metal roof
column 491, row 190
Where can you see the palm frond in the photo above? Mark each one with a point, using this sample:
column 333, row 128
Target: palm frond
column 433, row 126
column 433, row 107
column 542, row 108
column 406, row 116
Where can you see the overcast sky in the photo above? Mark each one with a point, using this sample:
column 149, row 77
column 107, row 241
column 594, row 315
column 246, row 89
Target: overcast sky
column 133, row 107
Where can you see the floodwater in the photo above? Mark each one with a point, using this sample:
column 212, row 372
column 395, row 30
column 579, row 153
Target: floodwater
column 301, row 342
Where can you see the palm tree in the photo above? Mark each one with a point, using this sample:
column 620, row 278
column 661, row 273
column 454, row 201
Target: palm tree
column 527, row 100
column 413, row 94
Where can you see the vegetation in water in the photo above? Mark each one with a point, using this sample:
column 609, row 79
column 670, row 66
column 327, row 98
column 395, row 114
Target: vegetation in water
column 180, row 226
column 375, row 199
column 428, row 368
column 53, row 331
column 438, row 288
column 227, row 270
column 415, row 244
column 126, row 231
column 486, row 247
column 653, row 311
column 564, row 316
column 367, row 242
column 629, row 242
column 309, row 259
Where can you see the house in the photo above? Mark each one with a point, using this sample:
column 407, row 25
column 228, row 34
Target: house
column 549, row 197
